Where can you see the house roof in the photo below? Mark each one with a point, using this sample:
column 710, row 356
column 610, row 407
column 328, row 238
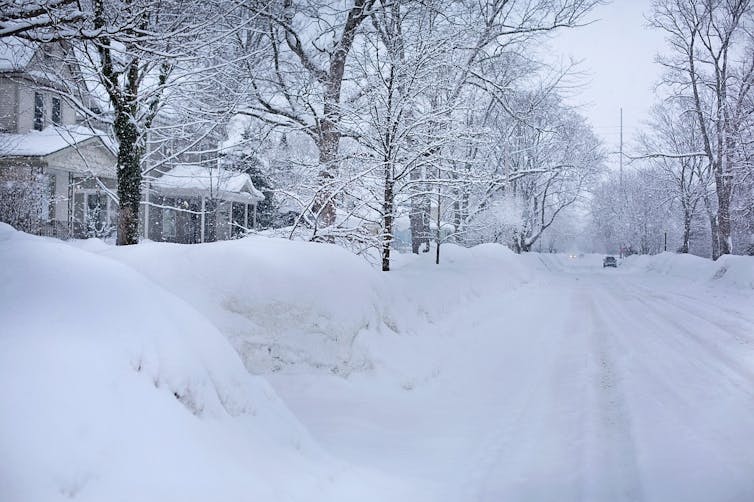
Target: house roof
column 213, row 182
column 15, row 53
column 47, row 141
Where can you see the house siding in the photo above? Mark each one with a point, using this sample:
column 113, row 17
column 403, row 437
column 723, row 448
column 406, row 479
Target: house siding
column 90, row 156
column 8, row 102
column 25, row 117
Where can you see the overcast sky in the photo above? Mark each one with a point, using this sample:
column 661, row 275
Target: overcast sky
column 618, row 52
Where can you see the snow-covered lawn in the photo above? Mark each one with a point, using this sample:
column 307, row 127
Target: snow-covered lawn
column 490, row 377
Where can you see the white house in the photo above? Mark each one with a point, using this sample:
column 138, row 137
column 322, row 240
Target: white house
column 58, row 177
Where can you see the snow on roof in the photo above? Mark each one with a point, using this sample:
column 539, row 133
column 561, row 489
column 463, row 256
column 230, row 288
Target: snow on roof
column 214, row 182
column 15, row 53
column 47, row 141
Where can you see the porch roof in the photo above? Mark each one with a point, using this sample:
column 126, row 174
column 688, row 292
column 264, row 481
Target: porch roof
column 190, row 180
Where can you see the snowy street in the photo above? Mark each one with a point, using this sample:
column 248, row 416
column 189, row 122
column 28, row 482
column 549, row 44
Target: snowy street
column 377, row 251
column 583, row 384
column 493, row 376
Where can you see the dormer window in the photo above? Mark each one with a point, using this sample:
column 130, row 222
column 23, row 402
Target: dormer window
column 56, row 111
column 39, row 111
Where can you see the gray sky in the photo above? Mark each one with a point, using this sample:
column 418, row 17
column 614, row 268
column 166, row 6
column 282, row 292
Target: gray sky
column 617, row 53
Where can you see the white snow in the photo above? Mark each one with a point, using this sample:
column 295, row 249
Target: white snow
column 114, row 389
column 49, row 140
column 280, row 303
column 190, row 179
column 728, row 270
column 489, row 377
column 15, row 53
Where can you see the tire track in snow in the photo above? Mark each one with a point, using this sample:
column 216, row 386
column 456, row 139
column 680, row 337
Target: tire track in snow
column 728, row 321
column 686, row 451
column 534, row 451
column 612, row 471
column 744, row 377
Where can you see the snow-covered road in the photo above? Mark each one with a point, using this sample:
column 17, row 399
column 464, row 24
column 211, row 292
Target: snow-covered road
column 491, row 377
column 583, row 384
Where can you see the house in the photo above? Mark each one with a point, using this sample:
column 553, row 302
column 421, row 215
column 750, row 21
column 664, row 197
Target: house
column 58, row 176
column 193, row 203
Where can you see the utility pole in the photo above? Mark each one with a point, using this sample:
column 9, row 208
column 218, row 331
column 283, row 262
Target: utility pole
column 621, row 147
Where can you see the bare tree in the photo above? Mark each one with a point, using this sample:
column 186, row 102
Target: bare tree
column 42, row 20
column 140, row 53
column 711, row 62
column 309, row 44
column 670, row 146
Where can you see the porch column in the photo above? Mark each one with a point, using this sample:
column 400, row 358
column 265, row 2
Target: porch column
column 201, row 232
column 245, row 216
column 254, row 221
column 146, row 212
column 71, row 204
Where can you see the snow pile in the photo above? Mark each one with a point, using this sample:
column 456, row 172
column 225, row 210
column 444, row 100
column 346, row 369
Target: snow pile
column 728, row 270
column 464, row 275
column 737, row 271
column 288, row 305
column 114, row 389
column 282, row 304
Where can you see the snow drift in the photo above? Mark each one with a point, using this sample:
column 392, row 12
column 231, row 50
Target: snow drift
column 287, row 305
column 115, row 389
column 282, row 304
column 727, row 271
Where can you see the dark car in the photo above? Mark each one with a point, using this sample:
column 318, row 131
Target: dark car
column 609, row 261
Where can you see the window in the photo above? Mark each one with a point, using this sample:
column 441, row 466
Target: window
column 56, row 115
column 168, row 224
column 240, row 219
column 52, row 199
column 39, row 111
column 93, row 214
column 96, row 214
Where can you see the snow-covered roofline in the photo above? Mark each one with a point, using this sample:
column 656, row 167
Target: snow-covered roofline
column 48, row 141
column 212, row 182
column 16, row 53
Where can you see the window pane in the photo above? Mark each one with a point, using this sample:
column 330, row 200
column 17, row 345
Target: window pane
column 96, row 215
column 168, row 223
column 51, row 197
column 56, row 119
column 39, row 111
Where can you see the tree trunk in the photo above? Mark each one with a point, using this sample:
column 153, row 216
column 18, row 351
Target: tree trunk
column 387, row 217
column 686, row 231
column 329, row 140
column 715, row 251
column 419, row 213
column 723, row 220
column 129, row 179
column 715, row 234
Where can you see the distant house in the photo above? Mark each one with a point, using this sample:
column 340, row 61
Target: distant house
column 193, row 203
column 58, row 177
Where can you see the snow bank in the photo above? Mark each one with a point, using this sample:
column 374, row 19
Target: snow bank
column 463, row 275
column 288, row 305
column 728, row 270
column 282, row 304
column 114, row 389
column 737, row 271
